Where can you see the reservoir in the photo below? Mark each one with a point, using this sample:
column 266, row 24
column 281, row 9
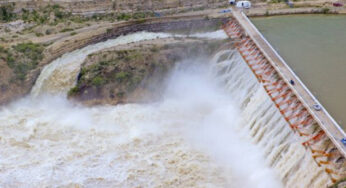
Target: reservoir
column 314, row 47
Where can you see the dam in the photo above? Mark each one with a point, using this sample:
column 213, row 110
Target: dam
column 295, row 102
column 238, row 117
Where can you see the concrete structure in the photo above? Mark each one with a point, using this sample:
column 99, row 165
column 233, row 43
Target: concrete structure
column 320, row 133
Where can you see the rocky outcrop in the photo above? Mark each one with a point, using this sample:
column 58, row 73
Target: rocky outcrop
column 134, row 73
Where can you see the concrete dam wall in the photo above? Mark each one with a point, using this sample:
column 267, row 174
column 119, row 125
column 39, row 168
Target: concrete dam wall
column 303, row 150
column 318, row 136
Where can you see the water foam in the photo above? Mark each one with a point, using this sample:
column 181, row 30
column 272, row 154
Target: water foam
column 61, row 74
column 189, row 139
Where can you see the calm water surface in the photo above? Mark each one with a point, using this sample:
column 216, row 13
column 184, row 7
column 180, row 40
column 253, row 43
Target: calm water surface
column 315, row 48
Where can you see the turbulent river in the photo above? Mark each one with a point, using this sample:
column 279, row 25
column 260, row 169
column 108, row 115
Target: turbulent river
column 214, row 127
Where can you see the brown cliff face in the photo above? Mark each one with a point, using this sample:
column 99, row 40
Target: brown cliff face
column 134, row 73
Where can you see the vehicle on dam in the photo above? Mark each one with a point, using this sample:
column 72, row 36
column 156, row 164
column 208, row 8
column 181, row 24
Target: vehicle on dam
column 243, row 4
column 231, row 2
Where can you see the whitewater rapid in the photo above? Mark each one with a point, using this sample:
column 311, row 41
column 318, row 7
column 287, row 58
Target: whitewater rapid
column 61, row 74
column 193, row 137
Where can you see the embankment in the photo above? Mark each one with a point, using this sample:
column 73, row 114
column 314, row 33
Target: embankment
column 101, row 6
column 136, row 72
column 83, row 39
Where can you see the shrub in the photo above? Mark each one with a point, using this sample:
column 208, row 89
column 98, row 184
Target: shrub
column 56, row 6
column 267, row 13
column 121, row 76
column 123, row 16
column 138, row 15
column 66, row 30
column 73, row 91
column 325, row 10
column 73, row 33
column 6, row 13
column 48, row 32
column 59, row 14
column 30, row 50
column 39, row 34
column 98, row 81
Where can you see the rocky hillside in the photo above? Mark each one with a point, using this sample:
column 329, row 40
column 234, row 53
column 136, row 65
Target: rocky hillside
column 134, row 73
column 19, row 68
column 83, row 6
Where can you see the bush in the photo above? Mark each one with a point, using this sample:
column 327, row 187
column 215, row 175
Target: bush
column 66, row 30
column 138, row 15
column 98, row 81
column 6, row 13
column 39, row 34
column 122, row 76
column 325, row 10
column 73, row 91
column 123, row 16
column 59, row 14
column 49, row 31
column 267, row 13
column 30, row 50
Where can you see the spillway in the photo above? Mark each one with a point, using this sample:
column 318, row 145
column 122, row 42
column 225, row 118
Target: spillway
column 319, row 132
column 216, row 126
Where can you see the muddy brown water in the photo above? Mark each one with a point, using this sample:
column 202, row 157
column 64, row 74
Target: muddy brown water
column 314, row 46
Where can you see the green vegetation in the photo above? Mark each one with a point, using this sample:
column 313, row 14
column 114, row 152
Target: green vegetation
column 98, row 81
column 22, row 58
column 66, row 30
column 118, row 68
column 119, row 74
column 123, row 16
column 30, row 50
column 54, row 14
column 122, row 76
column 325, row 10
column 267, row 13
column 6, row 13
column 73, row 91
column 39, row 34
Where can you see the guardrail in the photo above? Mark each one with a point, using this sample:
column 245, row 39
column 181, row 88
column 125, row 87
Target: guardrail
column 299, row 107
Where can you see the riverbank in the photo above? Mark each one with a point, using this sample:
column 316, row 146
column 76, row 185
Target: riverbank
column 135, row 72
column 59, row 31
column 59, row 44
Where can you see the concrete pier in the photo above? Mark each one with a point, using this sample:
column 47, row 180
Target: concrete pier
column 263, row 54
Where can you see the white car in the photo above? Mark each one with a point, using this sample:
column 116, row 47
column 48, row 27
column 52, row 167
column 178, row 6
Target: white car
column 243, row 4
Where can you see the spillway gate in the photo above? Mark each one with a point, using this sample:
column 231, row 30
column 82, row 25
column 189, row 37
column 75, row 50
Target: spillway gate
column 319, row 132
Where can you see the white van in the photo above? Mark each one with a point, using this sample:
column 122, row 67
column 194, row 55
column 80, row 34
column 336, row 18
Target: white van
column 243, row 4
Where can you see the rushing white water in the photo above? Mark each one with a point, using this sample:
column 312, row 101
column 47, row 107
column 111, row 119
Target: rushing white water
column 214, row 127
column 267, row 128
column 60, row 75
column 179, row 141
column 219, row 34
